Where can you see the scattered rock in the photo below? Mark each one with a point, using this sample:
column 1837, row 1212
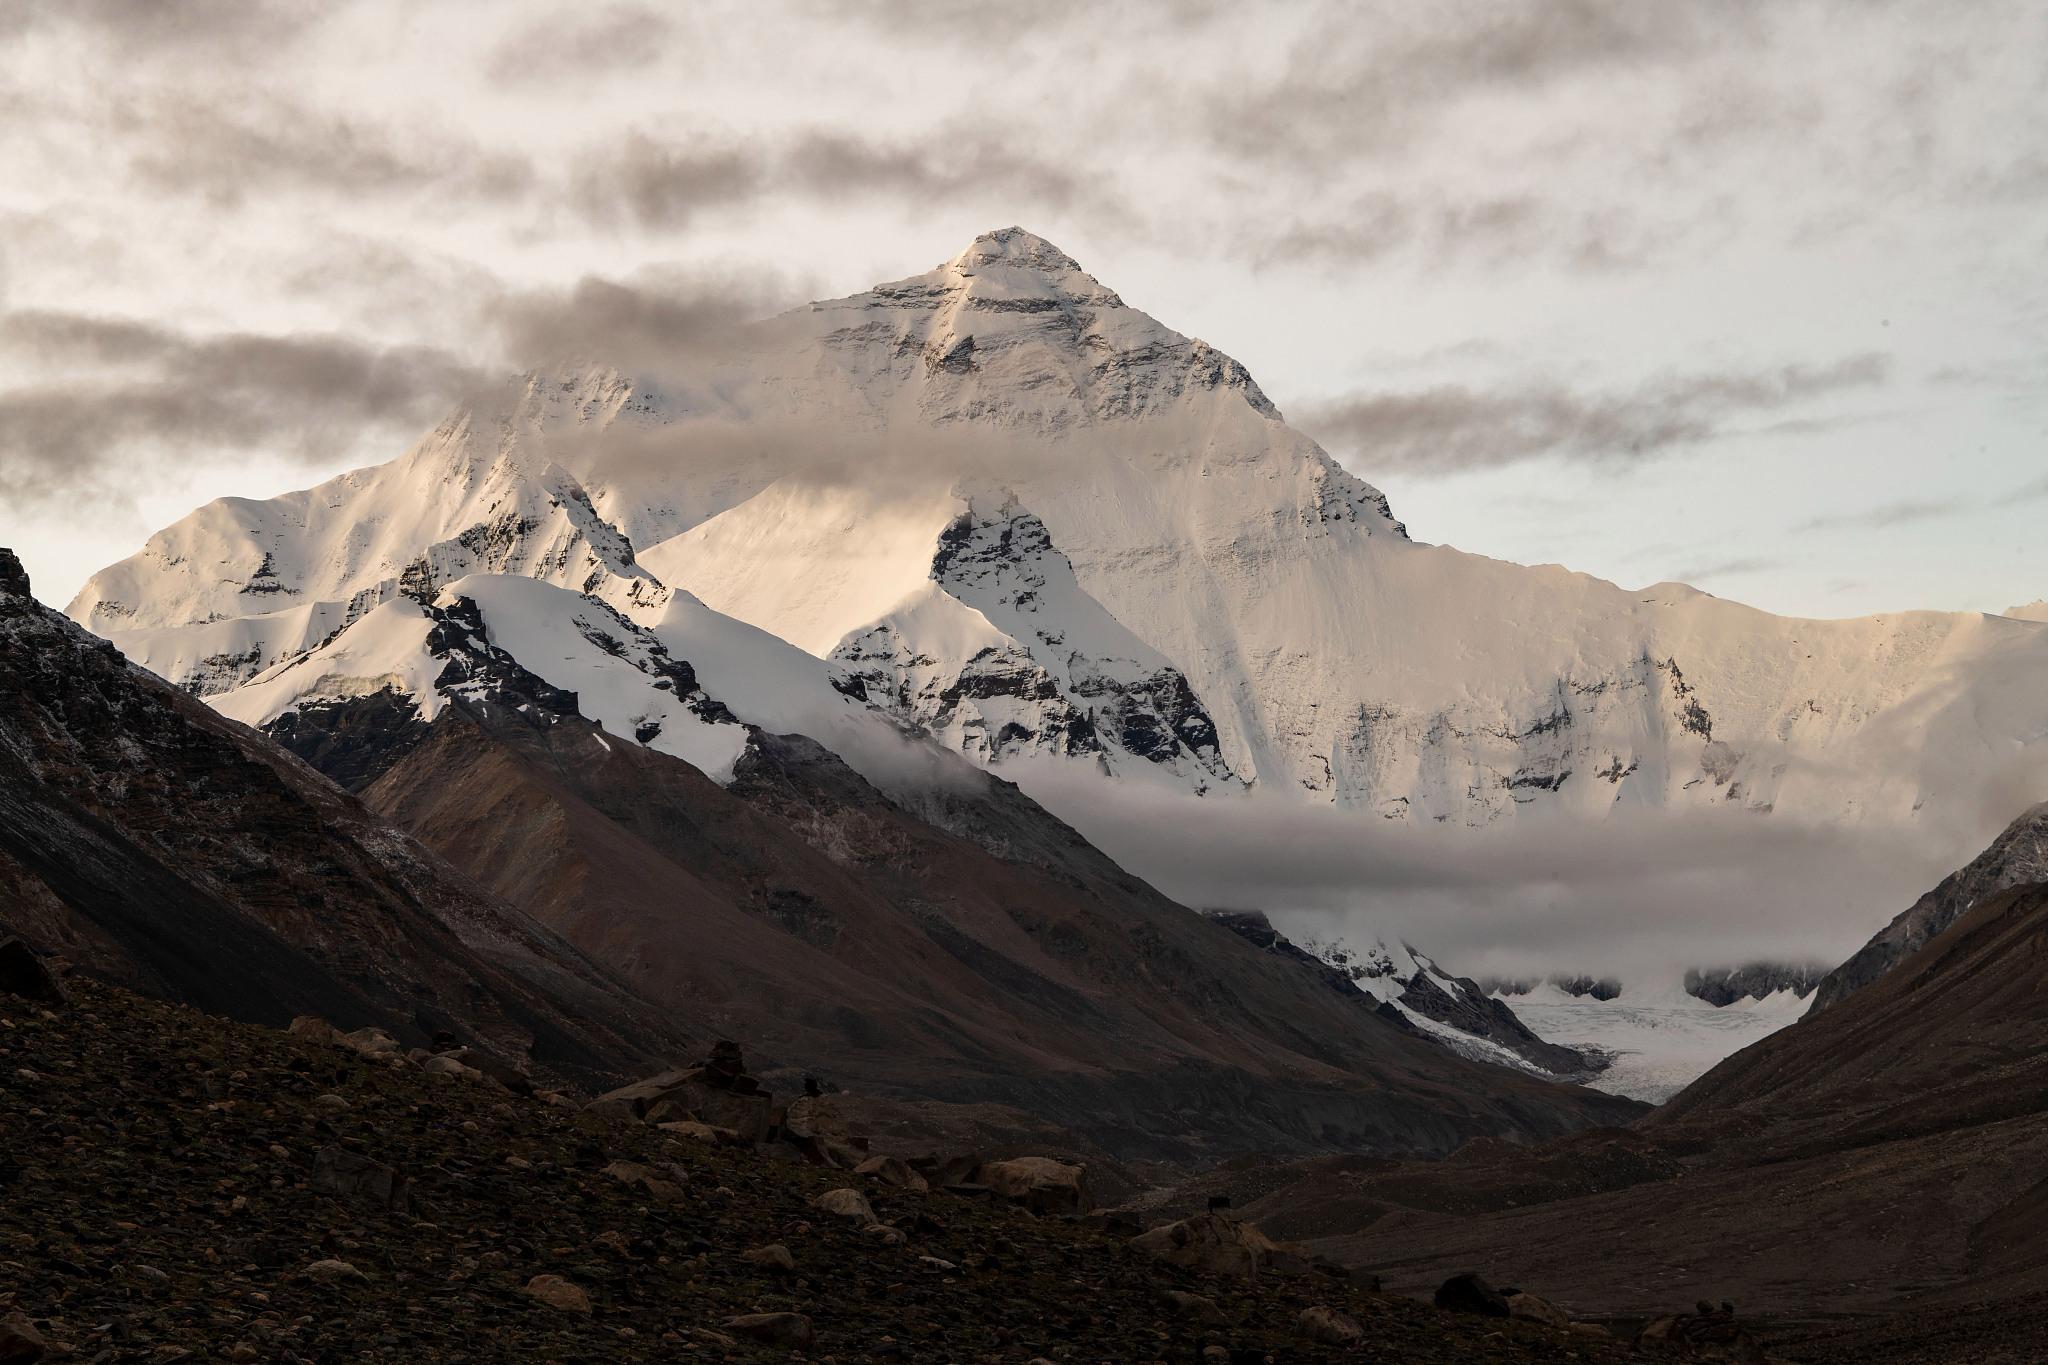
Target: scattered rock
column 1329, row 1326
column 1471, row 1294
column 792, row 1330
column 1039, row 1183
column 850, row 1204
column 331, row 1103
column 559, row 1294
column 774, row 1256
column 1708, row 1331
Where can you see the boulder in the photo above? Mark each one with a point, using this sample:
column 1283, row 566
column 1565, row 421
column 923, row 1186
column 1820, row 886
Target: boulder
column 789, row 1330
column 849, row 1204
column 558, row 1294
column 1193, row 1307
column 20, row 1342
column 774, row 1256
column 24, row 973
column 1533, row 1309
column 1212, row 1243
column 1329, row 1326
column 1471, row 1294
column 657, row 1184
column 676, row 1096
column 892, row 1171
column 445, row 1065
column 1037, row 1182
column 1708, row 1331
column 354, row 1177
column 312, row 1028
column 374, row 1043
column 332, row 1271
column 702, row 1132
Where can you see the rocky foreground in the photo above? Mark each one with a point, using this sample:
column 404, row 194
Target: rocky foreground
column 174, row 1186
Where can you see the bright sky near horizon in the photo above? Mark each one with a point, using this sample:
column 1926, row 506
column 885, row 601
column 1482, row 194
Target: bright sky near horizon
column 1745, row 294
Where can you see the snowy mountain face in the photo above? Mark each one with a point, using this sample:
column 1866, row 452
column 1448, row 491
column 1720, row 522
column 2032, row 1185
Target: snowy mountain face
column 995, row 504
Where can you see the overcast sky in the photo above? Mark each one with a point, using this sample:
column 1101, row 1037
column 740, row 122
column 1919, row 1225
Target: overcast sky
column 1750, row 295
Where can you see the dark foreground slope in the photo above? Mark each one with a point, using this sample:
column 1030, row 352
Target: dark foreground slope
column 165, row 1201
column 831, row 928
column 157, row 843
column 1871, row 1177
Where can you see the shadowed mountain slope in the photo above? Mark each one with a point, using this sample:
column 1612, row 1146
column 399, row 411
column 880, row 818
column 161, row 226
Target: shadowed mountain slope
column 157, row 843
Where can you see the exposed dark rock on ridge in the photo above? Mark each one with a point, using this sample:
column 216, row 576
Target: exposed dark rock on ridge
column 2017, row 857
column 1726, row 985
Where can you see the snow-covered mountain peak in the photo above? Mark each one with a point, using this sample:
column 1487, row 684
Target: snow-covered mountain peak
column 1014, row 248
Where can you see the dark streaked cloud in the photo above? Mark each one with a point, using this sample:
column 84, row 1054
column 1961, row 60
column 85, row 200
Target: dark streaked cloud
column 150, row 27
column 1484, row 230
column 664, row 182
column 1451, row 428
column 618, row 37
column 1730, row 568
column 1904, row 512
column 1913, row 511
column 1356, row 85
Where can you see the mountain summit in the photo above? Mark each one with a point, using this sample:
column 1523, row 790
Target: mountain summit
column 1007, row 510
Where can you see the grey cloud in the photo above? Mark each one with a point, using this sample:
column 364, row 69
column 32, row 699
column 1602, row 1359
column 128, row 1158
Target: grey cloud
column 658, row 322
column 659, row 183
column 304, row 397
column 1638, row 893
column 1452, row 428
column 227, row 151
